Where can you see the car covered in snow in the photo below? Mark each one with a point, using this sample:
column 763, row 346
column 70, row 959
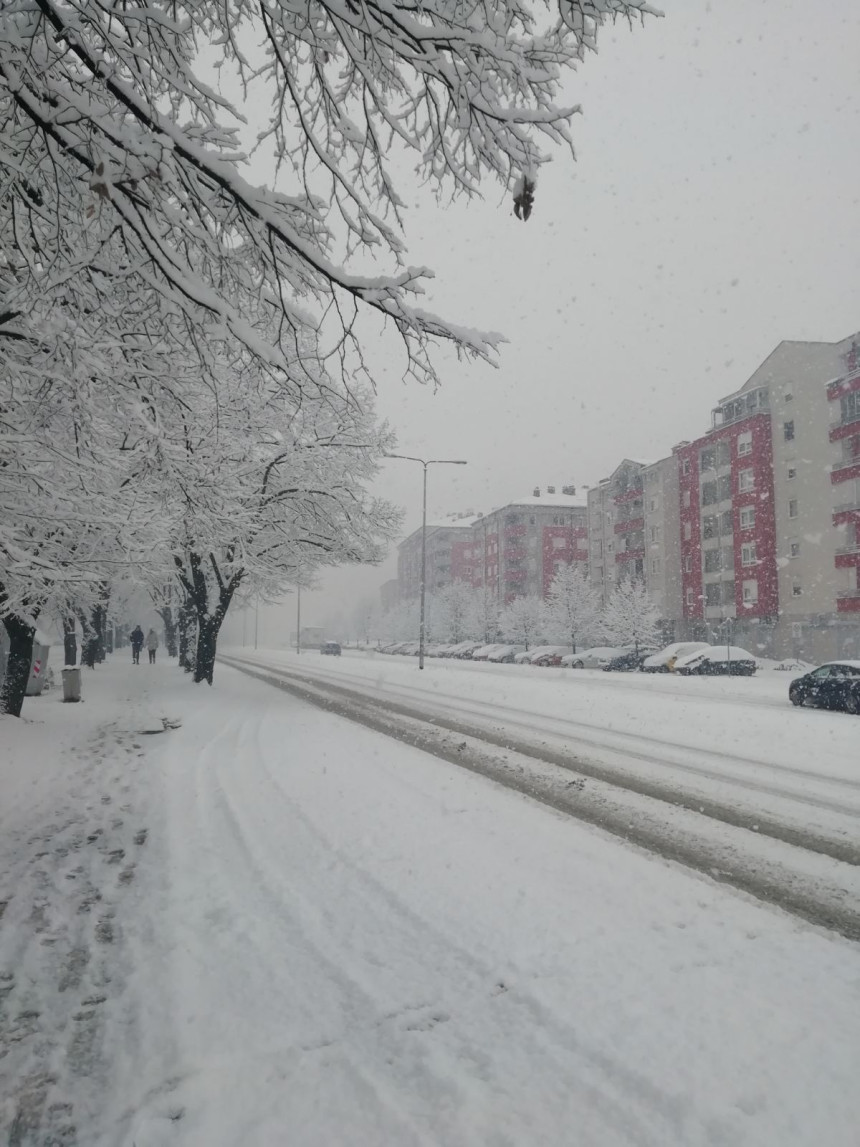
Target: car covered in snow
column 544, row 655
column 330, row 648
column 595, row 658
column 630, row 662
column 834, row 685
column 484, row 651
column 717, row 660
column 505, row 654
column 664, row 661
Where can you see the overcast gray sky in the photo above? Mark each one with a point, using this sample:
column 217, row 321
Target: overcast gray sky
column 713, row 210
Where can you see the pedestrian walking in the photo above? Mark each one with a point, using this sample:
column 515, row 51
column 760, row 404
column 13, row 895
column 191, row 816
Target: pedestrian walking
column 136, row 638
column 152, row 645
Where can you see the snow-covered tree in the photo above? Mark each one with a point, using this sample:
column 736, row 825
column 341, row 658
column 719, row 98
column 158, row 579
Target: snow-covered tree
column 453, row 614
column 522, row 621
column 630, row 617
column 125, row 158
column 487, row 613
column 572, row 606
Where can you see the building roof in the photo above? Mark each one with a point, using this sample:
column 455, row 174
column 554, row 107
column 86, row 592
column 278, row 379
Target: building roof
column 559, row 501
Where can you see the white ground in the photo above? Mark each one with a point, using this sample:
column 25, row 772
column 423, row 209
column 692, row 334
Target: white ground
column 318, row 936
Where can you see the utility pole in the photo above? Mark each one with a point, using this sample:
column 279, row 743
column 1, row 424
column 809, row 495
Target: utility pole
column 298, row 619
column 256, row 620
column 423, row 582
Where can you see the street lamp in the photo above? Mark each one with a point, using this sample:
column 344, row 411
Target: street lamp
column 425, row 464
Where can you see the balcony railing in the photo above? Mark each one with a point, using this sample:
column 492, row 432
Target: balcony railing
column 516, row 575
column 515, row 531
column 855, row 549
column 848, row 595
column 515, row 553
column 630, row 526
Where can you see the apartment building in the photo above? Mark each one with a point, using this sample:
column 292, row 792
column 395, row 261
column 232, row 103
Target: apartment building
column 515, row 549
column 767, row 508
column 633, row 522
column 443, row 549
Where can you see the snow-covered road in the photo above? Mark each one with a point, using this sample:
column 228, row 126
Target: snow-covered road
column 733, row 743
column 330, row 938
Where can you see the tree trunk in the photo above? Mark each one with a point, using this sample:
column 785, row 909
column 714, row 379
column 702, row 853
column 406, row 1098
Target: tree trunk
column 99, row 619
column 70, row 641
column 186, row 635
column 21, row 634
column 166, row 615
column 207, row 642
column 89, row 641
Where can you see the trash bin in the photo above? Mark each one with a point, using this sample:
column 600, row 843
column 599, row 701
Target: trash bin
column 72, row 684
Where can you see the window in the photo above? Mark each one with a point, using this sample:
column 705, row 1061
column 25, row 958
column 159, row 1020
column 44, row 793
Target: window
column 691, row 596
column 724, row 455
column 532, row 520
column 710, row 526
column 794, row 549
column 655, row 533
column 685, row 466
column 796, row 589
column 559, row 543
column 709, row 493
column 746, row 480
column 652, row 506
column 688, row 564
column 685, row 501
column 788, row 396
column 745, row 443
column 750, row 592
column 792, row 508
column 688, row 531
column 728, row 592
column 788, row 430
column 850, row 406
column 655, row 565
column 712, row 561
column 748, row 557
column 712, row 593
column 728, row 558
column 726, row 522
column 748, row 517
column 708, row 459
column 597, row 546
column 724, row 488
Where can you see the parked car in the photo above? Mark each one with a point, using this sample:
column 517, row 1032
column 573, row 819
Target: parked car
column 594, row 658
column 436, row 650
column 717, row 660
column 627, row 662
column 484, row 651
column 548, row 655
column 330, row 648
column 469, row 648
column 524, row 657
column 664, row 661
column 505, row 654
column 834, row 685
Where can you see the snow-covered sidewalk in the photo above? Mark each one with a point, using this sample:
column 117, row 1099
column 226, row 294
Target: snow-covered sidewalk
column 315, row 935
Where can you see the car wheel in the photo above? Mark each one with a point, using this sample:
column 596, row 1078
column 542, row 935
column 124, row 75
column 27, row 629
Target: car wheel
column 852, row 703
column 795, row 697
column 576, row 665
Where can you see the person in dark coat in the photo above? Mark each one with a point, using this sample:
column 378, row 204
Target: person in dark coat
column 136, row 638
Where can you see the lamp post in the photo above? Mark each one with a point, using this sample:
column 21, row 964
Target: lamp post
column 425, row 463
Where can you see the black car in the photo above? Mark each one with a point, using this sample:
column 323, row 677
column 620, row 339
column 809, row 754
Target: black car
column 330, row 647
column 832, row 686
column 627, row 662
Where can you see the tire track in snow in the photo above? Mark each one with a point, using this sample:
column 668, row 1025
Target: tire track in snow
column 780, row 876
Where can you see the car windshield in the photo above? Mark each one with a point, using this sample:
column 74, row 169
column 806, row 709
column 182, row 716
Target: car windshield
column 517, row 344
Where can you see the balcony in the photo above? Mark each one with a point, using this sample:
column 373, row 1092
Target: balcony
column 845, row 428
column 845, row 473
column 846, row 513
column 631, row 526
column 848, row 601
column 855, row 549
column 630, row 555
column 515, row 553
column 515, row 531
column 628, row 495
column 516, row 575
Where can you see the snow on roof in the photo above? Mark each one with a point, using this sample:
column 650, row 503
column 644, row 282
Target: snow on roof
column 452, row 523
column 560, row 500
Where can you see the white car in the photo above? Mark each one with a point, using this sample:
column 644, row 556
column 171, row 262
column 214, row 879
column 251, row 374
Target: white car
column 594, row 658
column 505, row 654
column 718, row 660
column 484, row 652
column 664, row 661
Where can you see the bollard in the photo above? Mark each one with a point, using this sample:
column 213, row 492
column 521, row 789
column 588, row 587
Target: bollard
column 72, row 684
